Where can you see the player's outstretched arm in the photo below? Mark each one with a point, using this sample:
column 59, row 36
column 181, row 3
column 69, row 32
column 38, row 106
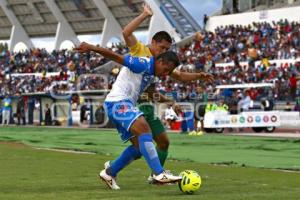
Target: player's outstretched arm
column 85, row 48
column 128, row 30
column 186, row 76
column 135, row 64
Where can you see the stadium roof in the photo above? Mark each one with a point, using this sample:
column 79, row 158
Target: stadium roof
column 21, row 20
column 83, row 16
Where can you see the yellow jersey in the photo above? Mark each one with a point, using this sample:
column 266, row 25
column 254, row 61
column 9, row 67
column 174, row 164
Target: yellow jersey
column 140, row 50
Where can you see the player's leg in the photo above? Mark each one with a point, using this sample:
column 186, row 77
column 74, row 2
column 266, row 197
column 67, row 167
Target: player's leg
column 162, row 146
column 158, row 131
column 202, row 124
column 142, row 131
column 130, row 154
column 6, row 116
column 141, row 143
column 19, row 118
column 161, row 139
column 162, row 143
column 194, row 130
column 116, row 113
column 131, row 119
column 3, row 118
column 201, row 113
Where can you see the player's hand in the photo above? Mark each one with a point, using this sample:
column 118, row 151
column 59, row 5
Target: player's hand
column 83, row 48
column 209, row 78
column 147, row 10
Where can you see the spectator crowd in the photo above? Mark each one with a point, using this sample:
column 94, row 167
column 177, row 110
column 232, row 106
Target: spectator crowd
column 258, row 42
column 231, row 45
column 37, row 70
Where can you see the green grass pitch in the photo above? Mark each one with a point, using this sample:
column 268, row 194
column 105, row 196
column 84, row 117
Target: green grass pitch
column 231, row 167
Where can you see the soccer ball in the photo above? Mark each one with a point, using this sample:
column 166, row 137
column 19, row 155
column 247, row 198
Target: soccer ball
column 190, row 183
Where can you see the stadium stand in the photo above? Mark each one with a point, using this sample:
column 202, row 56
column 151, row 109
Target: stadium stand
column 258, row 52
column 259, row 42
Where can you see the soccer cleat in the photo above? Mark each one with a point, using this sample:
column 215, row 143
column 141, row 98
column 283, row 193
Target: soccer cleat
column 193, row 133
column 200, row 133
column 106, row 164
column 109, row 180
column 166, row 177
column 150, row 179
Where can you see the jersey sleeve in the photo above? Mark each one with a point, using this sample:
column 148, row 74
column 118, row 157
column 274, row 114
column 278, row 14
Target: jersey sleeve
column 136, row 64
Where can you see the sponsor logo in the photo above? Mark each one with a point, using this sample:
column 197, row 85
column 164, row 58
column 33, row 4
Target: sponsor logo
column 266, row 119
column 274, row 118
column 142, row 60
column 258, row 119
column 242, row 119
column 122, row 109
column 250, row 119
column 221, row 122
column 234, row 119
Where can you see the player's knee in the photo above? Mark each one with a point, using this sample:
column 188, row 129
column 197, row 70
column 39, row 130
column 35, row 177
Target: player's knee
column 145, row 127
column 140, row 126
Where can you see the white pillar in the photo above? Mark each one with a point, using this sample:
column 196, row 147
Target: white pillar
column 18, row 34
column 64, row 30
column 111, row 26
column 159, row 22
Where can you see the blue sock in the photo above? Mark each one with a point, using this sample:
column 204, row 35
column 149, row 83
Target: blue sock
column 129, row 154
column 149, row 152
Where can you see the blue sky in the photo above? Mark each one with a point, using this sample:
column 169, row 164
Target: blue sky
column 197, row 8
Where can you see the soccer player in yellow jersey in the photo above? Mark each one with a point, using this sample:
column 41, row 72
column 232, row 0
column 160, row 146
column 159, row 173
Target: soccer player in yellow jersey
column 160, row 43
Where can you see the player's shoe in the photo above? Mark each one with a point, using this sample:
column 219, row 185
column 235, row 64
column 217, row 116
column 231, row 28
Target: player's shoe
column 166, row 177
column 199, row 133
column 109, row 180
column 193, row 133
column 151, row 180
column 106, row 164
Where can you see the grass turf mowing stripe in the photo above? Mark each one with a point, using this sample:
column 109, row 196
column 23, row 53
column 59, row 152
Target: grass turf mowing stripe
column 217, row 149
column 28, row 173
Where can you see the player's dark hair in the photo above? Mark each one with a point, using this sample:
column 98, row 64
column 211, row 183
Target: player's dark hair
column 169, row 56
column 162, row 35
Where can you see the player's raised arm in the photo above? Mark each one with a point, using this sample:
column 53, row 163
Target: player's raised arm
column 85, row 48
column 128, row 30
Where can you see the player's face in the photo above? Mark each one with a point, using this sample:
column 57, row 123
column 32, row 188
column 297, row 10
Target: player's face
column 163, row 68
column 158, row 48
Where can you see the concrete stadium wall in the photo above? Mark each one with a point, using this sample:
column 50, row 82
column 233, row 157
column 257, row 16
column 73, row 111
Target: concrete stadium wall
column 291, row 14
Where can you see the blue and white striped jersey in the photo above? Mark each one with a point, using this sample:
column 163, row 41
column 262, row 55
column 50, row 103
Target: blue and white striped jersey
column 132, row 80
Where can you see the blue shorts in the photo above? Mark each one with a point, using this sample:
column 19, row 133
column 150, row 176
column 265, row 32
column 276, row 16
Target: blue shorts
column 122, row 114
